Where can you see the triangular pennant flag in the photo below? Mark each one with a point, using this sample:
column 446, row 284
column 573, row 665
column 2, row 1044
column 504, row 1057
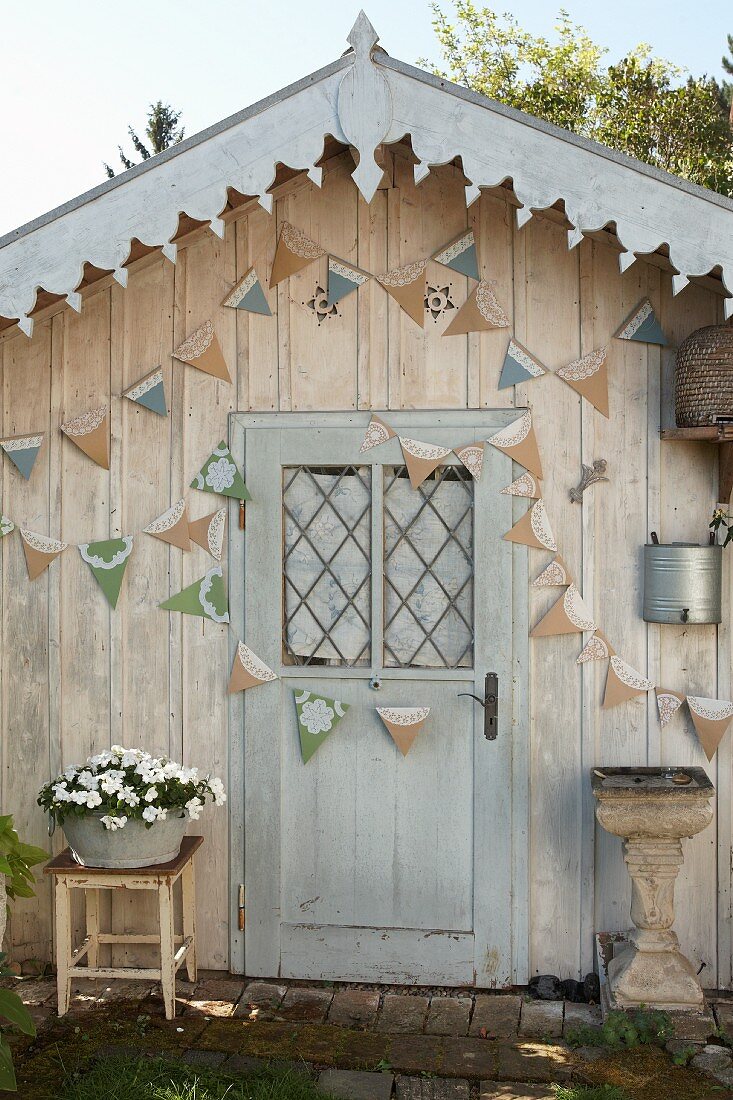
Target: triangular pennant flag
column 203, row 351
column 208, row 532
column 481, row 312
column 294, row 252
column 519, row 442
column 108, row 562
column 472, row 457
column 318, row 717
column 421, row 459
column 90, row 432
column 519, row 366
column 248, row 670
column 556, row 573
column 668, row 702
column 623, row 683
column 149, row 392
column 533, row 529
column 526, row 485
column 407, row 286
column 589, row 377
column 343, row 279
column 596, row 648
column 40, row 551
column 248, row 294
column 22, row 450
column 219, row 474
column 206, row 597
column 711, row 718
column 172, row 526
column 460, row 255
column 6, row 526
column 377, row 432
column 404, row 724
column 642, row 325
column 570, row 615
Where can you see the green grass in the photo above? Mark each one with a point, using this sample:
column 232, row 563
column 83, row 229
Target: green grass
column 589, row 1092
column 164, row 1079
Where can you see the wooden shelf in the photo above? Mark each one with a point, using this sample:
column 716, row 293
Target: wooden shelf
column 722, row 436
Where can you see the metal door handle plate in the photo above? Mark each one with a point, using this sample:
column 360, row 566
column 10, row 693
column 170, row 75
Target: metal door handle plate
column 490, row 703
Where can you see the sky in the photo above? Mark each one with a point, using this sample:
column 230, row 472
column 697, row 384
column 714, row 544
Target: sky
column 73, row 77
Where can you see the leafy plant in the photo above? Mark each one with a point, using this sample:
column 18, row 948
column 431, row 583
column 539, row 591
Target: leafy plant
column 684, row 1055
column 14, row 1011
column 721, row 518
column 624, row 1030
column 16, row 860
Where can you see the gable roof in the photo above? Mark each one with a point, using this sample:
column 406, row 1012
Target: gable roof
column 366, row 99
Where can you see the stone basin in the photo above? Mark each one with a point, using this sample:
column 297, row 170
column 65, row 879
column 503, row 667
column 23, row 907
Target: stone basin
column 653, row 809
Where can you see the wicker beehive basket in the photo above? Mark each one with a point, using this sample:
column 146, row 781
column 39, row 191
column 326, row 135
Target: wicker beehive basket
column 703, row 380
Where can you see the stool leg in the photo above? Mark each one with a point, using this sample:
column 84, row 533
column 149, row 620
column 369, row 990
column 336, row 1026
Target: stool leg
column 167, row 949
column 91, row 898
column 188, row 889
column 63, row 945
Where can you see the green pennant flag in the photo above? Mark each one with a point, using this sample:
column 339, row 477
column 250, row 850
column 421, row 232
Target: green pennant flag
column 219, row 474
column 108, row 562
column 318, row 717
column 206, row 597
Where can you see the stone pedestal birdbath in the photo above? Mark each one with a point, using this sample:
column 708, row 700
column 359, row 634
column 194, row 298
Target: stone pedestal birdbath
column 653, row 809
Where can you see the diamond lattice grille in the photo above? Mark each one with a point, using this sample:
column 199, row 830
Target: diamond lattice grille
column 327, row 565
column 428, row 569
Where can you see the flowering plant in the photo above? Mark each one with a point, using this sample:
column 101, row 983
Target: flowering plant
column 119, row 784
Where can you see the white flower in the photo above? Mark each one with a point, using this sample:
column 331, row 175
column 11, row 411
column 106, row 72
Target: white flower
column 188, row 775
column 102, row 759
column 70, row 772
column 90, row 799
column 151, row 794
column 113, row 823
column 220, row 474
column 317, row 716
column 154, row 813
column 194, row 807
column 118, row 750
column 60, row 792
column 217, row 789
column 129, row 757
column 87, row 780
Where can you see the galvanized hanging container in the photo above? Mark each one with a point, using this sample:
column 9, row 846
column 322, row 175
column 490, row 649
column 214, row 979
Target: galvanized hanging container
column 703, row 379
column 682, row 583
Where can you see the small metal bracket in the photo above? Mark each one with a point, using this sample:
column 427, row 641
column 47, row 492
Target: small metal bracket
column 490, row 703
column 591, row 474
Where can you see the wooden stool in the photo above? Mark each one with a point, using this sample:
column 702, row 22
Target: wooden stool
column 71, row 875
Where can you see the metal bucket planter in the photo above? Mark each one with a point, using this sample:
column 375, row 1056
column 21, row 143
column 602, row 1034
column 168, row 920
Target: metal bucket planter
column 132, row 846
column 682, row 583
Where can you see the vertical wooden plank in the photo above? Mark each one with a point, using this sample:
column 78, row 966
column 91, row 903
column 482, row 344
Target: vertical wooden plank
column 258, row 358
column 373, row 321
column 26, row 383
column 495, row 246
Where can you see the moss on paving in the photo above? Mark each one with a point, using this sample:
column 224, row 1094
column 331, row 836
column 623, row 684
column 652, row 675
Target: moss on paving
column 648, row 1073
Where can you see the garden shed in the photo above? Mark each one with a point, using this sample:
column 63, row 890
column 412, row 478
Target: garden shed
column 369, row 239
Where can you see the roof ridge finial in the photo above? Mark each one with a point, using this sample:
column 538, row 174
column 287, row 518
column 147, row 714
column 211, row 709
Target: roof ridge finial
column 362, row 36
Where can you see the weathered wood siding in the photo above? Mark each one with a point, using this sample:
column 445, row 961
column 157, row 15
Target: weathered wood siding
column 77, row 677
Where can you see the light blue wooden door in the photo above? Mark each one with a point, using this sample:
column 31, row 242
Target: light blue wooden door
column 363, row 864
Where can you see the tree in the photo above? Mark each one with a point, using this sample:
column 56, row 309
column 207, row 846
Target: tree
column 641, row 105
column 727, row 87
column 162, row 131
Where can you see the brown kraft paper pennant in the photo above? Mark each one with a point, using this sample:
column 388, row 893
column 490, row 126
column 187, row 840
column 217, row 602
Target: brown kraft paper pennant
column 556, row 573
column 172, row 526
column 570, row 615
column 421, row 459
column 480, row 312
column 472, row 457
column 407, row 286
column 248, row 670
column 597, row 648
column 533, row 529
column 589, row 377
column 203, row 351
column 526, row 485
column 208, row 532
column 40, row 551
column 378, row 432
column 518, row 440
column 404, row 724
column 90, row 433
column 711, row 718
column 294, row 252
column 623, row 683
column 668, row 703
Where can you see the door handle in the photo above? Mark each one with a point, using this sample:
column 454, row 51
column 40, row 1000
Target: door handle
column 490, row 703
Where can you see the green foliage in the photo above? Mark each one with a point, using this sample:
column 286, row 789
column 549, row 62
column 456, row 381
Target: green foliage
column 684, row 1055
column 15, row 1013
column 16, row 860
column 624, row 1030
column 162, row 131
column 641, row 105
column 161, row 1079
column 722, row 519
column 589, row 1092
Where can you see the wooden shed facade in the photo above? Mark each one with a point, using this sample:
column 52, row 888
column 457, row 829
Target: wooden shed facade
column 76, row 676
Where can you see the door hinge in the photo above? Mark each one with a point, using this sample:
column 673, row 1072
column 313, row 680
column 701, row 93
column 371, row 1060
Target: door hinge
column 240, row 906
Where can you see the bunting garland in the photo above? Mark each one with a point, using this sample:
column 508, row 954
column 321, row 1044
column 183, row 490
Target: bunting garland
column 40, row 551
column 206, row 597
column 343, row 279
column 172, row 526
column 589, row 377
column 556, row 573
column 208, row 532
column 403, row 724
column 294, row 252
column 472, row 457
column 248, row 295
column 377, row 432
column 480, row 313
column 519, row 442
column 526, row 485
column 317, row 717
column 407, row 286
column 203, row 351
column 108, row 562
column 668, row 703
column 90, row 433
column 533, row 529
column 570, row 615
column 421, row 459
column 149, row 392
column 248, row 670
column 460, row 255
column 519, row 366
column 22, row 450
column 219, row 474
column 642, row 325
